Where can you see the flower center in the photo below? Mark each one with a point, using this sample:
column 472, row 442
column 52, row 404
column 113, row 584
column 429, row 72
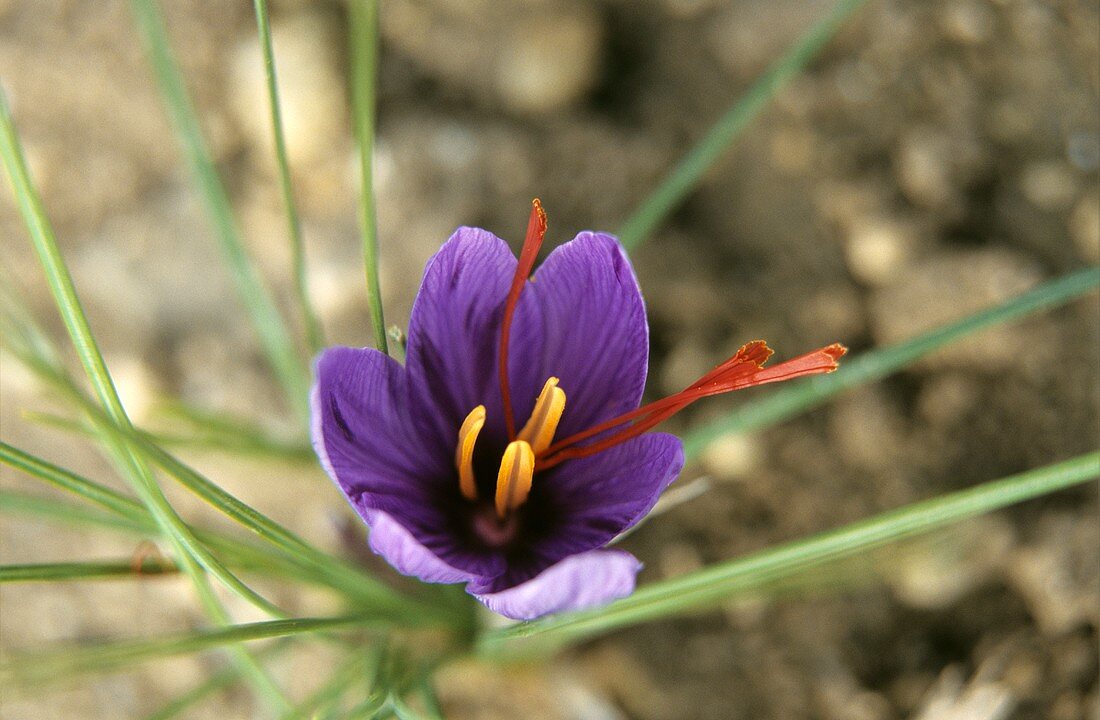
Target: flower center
column 517, row 465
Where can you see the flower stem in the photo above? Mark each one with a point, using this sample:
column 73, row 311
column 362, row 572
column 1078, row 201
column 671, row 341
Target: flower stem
column 314, row 336
column 363, row 39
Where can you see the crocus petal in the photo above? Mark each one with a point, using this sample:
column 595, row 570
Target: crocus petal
column 397, row 545
column 582, row 505
column 361, row 429
column 454, row 336
column 603, row 495
column 594, row 332
column 581, row 581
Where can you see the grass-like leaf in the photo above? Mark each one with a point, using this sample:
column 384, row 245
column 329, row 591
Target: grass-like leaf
column 363, row 41
column 54, row 572
column 687, row 173
column 294, row 226
column 219, row 681
column 727, row 580
column 192, row 556
column 352, row 671
column 785, row 402
column 70, row 481
column 66, row 662
column 274, row 336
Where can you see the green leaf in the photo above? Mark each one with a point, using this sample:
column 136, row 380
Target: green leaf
column 219, row 681
column 274, row 337
column 803, row 395
column 52, row 572
column 723, row 581
column 301, row 286
column 339, row 682
column 68, row 661
column 686, row 175
column 192, row 556
column 70, row 481
column 363, row 30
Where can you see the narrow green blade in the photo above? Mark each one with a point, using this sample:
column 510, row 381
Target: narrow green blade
column 726, row 580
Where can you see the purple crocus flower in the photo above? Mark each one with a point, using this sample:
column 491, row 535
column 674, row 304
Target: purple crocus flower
column 432, row 457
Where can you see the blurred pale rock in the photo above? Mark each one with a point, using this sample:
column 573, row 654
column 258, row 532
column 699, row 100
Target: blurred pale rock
column 933, row 167
column 935, row 574
column 969, row 21
column 1058, row 576
column 311, row 88
column 948, row 287
column 733, row 456
column 550, row 62
column 877, row 250
column 1084, row 225
column 946, row 396
column 748, row 36
column 953, row 697
column 531, row 60
column 1049, row 185
column 867, row 429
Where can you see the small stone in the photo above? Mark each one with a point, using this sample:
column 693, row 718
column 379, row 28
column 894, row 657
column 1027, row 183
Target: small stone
column 867, row 430
column 1084, row 225
column 936, row 577
column 311, row 91
column 552, row 62
column 1049, row 185
column 946, row 396
column 877, row 250
column 946, row 288
column 968, row 22
column 733, row 456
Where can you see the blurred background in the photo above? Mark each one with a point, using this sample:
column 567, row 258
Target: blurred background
column 936, row 158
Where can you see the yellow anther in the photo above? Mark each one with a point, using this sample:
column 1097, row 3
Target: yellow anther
column 464, row 452
column 517, row 467
column 539, row 430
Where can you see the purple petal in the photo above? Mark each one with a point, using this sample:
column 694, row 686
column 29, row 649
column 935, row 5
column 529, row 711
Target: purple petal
column 397, row 545
column 609, row 492
column 367, row 444
column 361, row 429
column 454, row 337
column 595, row 336
column 584, row 504
column 578, row 582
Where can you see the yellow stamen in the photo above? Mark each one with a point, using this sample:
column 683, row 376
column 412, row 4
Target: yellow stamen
column 464, row 452
column 539, row 430
column 517, row 467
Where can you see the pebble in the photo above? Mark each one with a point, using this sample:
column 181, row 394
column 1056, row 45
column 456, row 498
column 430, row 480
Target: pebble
column 1084, row 225
column 311, row 89
column 878, row 250
column 552, row 62
column 948, row 287
column 1049, row 185
column 733, row 456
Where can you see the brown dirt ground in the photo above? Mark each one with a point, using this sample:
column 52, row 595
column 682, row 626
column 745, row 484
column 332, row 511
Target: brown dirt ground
column 937, row 157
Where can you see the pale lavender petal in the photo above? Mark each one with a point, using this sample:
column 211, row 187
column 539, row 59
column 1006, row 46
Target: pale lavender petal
column 581, row 581
column 397, row 545
column 454, row 337
column 595, row 336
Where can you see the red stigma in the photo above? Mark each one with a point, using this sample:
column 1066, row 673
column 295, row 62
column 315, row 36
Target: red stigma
column 745, row 369
column 536, row 231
